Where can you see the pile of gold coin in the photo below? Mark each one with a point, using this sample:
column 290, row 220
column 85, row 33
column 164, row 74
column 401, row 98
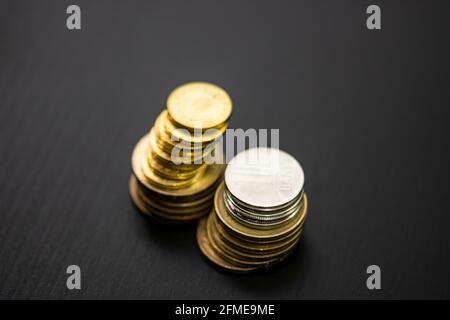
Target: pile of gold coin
column 259, row 212
column 172, row 179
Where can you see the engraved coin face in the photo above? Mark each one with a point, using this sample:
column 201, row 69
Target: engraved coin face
column 199, row 105
column 264, row 177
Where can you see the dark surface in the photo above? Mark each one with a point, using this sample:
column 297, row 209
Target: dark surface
column 366, row 114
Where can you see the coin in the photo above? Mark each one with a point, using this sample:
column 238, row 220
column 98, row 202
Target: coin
column 264, row 219
column 249, row 254
column 227, row 219
column 210, row 253
column 163, row 213
column 212, row 173
column 139, row 203
column 249, row 245
column 190, row 210
column 169, row 173
column 264, row 177
column 160, row 182
column 199, row 105
column 196, row 139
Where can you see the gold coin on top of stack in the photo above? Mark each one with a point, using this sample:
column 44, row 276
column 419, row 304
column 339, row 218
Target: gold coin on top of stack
column 259, row 212
column 171, row 181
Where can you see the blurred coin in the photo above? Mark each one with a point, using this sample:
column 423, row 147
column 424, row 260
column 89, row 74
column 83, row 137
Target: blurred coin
column 206, row 248
column 199, row 105
column 209, row 177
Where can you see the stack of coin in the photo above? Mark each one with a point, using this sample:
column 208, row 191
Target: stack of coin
column 172, row 179
column 259, row 212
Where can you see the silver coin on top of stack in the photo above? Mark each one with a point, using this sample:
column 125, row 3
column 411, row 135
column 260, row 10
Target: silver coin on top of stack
column 259, row 212
column 263, row 187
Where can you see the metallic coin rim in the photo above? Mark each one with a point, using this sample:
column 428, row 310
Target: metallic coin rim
column 263, row 224
column 212, row 173
column 145, row 207
column 168, row 173
column 144, row 210
column 161, row 182
column 259, row 255
column 209, row 197
column 211, row 255
column 264, row 210
column 187, row 211
column 232, row 224
column 168, row 157
column 207, row 136
column 243, row 242
column 256, row 219
column 178, row 199
column 233, row 257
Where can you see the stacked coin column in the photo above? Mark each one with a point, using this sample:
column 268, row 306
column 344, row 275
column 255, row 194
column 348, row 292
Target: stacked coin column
column 171, row 180
column 259, row 212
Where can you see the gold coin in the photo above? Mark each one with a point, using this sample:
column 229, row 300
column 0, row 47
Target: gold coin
column 180, row 202
column 207, row 249
column 165, row 156
column 247, row 245
column 225, row 255
column 169, row 169
column 196, row 139
column 139, row 203
column 199, row 105
column 277, row 232
column 195, row 210
column 185, row 217
column 210, row 176
column 169, row 173
column 241, row 257
column 258, row 242
column 190, row 154
column 151, row 155
column 164, row 132
column 171, row 158
column 159, row 181
column 253, row 248
column 145, row 206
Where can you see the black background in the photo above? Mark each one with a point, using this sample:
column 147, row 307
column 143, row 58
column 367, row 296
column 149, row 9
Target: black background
column 365, row 113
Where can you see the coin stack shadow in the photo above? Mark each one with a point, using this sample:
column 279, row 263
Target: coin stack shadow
column 242, row 235
column 171, row 181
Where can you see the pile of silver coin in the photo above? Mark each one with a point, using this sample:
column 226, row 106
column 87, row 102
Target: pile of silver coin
column 266, row 187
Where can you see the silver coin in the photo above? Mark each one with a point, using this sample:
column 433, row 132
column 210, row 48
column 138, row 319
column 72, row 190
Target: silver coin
column 264, row 177
column 261, row 215
column 265, row 219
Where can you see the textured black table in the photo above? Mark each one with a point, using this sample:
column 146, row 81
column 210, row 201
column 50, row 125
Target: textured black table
column 365, row 112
